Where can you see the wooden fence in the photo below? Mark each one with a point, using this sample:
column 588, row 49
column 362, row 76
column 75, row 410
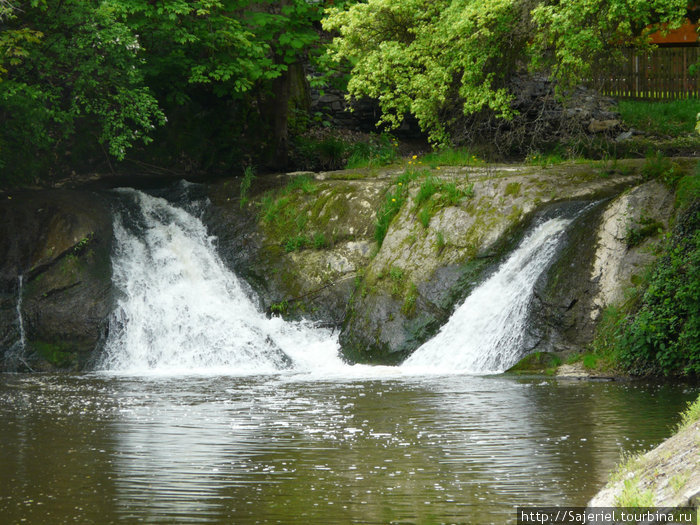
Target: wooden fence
column 661, row 74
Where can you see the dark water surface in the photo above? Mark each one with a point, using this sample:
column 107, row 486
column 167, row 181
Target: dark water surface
column 289, row 449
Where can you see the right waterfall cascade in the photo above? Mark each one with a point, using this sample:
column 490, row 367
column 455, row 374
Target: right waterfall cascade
column 486, row 333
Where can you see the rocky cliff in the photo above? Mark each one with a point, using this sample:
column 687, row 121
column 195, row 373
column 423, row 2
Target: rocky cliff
column 56, row 253
column 309, row 246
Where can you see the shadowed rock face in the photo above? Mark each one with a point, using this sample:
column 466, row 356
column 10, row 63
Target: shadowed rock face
column 59, row 242
column 604, row 256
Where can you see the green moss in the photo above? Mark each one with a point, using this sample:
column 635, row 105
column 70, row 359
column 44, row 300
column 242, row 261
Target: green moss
column 641, row 229
column 435, row 194
column 408, row 308
column 59, row 355
column 537, row 363
column 513, row 188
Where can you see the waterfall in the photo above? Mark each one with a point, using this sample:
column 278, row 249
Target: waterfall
column 20, row 321
column 15, row 356
column 181, row 310
column 486, row 333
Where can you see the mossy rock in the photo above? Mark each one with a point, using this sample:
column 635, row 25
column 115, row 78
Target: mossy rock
column 60, row 242
column 536, row 363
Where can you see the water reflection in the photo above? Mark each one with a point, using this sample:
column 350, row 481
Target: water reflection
column 241, row 450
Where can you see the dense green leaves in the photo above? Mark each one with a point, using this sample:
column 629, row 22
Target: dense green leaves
column 424, row 58
column 75, row 71
column 416, row 56
column 581, row 33
column 664, row 336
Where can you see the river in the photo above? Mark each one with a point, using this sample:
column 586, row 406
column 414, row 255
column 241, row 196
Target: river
column 368, row 447
column 201, row 409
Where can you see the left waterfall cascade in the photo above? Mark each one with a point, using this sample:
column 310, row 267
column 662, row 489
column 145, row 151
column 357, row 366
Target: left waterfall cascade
column 181, row 310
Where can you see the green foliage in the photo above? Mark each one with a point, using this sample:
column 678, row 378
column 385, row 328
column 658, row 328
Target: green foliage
column 416, row 57
column 544, row 160
column 279, row 211
column 396, row 274
column 393, row 202
column 440, row 242
column 319, row 241
column 690, row 415
column 408, row 308
column 513, row 188
column 641, row 229
column 656, row 330
column 662, row 338
column 87, row 79
column 660, row 118
column 380, row 150
column 246, row 183
column 280, row 308
column 573, row 37
column 435, row 194
column 424, row 58
column 296, row 242
column 632, row 496
column 71, row 64
column 304, row 183
column 688, row 189
column 452, row 157
column 658, row 166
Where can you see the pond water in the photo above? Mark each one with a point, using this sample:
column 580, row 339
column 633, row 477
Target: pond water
column 369, row 447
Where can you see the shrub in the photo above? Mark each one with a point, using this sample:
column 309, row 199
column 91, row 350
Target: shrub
column 663, row 336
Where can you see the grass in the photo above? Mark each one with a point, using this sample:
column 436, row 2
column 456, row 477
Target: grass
column 660, row 118
column 278, row 211
column 690, row 415
column 688, row 189
column 393, row 202
column 435, row 194
column 452, row 157
column 632, row 496
column 380, row 150
column 246, row 183
column 543, row 160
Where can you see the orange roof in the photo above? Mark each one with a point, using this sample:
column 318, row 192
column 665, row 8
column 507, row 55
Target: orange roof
column 686, row 34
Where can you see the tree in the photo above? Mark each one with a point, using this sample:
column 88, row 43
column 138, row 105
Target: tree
column 425, row 57
column 74, row 71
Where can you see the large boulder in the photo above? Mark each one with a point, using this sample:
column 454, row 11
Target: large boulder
column 55, row 277
column 607, row 253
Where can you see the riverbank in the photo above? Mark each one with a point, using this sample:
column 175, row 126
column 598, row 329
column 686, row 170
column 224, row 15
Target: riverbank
column 667, row 476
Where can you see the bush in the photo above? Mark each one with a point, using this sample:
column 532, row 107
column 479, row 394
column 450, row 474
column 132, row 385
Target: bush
column 663, row 336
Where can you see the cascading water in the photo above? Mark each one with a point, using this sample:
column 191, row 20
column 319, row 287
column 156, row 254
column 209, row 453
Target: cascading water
column 486, row 333
column 15, row 357
column 182, row 310
column 20, row 322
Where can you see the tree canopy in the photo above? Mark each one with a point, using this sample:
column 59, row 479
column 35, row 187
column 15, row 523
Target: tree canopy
column 113, row 70
column 424, row 57
column 105, row 75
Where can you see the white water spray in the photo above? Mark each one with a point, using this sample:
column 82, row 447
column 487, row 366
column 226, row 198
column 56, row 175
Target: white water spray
column 183, row 311
column 486, row 333
column 20, row 321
